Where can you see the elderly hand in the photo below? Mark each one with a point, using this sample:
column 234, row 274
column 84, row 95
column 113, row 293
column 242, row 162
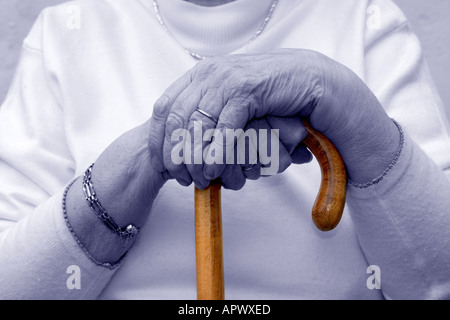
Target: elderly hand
column 266, row 146
column 237, row 89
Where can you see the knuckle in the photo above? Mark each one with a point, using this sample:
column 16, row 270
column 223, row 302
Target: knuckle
column 174, row 121
column 160, row 108
column 293, row 135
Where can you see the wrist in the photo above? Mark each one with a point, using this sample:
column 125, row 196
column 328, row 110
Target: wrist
column 125, row 232
column 125, row 179
column 126, row 185
column 351, row 116
column 388, row 168
column 101, row 245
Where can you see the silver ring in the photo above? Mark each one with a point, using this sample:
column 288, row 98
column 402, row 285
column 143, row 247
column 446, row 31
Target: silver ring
column 207, row 115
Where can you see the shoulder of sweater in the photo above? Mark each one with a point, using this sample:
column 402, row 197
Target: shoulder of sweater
column 378, row 16
column 388, row 11
column 76, row 19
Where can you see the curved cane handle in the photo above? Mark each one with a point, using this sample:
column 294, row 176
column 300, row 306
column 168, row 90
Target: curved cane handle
column 330, row 201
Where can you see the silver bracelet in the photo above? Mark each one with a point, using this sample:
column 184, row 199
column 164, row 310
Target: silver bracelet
column 127, row 232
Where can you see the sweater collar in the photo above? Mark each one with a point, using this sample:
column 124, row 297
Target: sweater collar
column 211, row 31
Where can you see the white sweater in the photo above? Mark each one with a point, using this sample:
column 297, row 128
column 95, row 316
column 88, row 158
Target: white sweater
column 91, row 70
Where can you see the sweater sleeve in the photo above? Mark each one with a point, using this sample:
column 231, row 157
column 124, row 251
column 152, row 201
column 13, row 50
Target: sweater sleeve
column 402, row 219
column 40, row 258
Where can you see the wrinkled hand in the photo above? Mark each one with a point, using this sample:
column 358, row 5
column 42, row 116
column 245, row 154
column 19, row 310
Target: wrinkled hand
column 266, row 146
column 285, row 85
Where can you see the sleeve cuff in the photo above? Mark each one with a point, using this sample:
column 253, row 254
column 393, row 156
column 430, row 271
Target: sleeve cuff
column 390, row 175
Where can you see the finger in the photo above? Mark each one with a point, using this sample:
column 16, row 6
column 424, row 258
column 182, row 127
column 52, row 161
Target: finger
column 252, row 172
column 259, row 141
column 252, row 166
column 301, row 155
column 234, row 115
column 273, row 155
column 195, row 164
column 202, row 126
column 173, row 157
column 158, row 121
column 232, row 177
column 178, row 147
column 291, row 131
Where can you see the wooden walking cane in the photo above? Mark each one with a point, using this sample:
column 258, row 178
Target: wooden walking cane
column 326, row 214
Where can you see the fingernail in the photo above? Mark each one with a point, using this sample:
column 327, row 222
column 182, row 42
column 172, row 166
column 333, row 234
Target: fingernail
column 184, row 183
column 208, row 172
column 310, row 157
column 201, row 185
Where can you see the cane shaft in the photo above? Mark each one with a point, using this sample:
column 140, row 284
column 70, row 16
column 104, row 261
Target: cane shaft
column 208, row 239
